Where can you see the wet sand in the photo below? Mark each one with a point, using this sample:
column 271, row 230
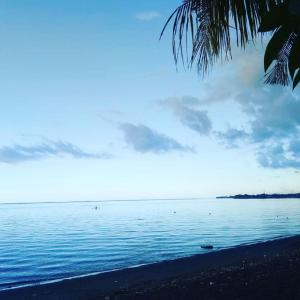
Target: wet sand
column 269, row 270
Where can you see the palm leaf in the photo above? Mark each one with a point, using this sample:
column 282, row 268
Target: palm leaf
column 211, row 25
column 296, row 79
column 203, row 31
column 277, row 42
column 294, row 58
column 279, row 74
column 274, row 18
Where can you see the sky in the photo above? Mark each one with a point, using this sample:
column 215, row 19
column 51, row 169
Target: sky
column 93, row 108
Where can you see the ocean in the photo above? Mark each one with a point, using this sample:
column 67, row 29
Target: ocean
column 41, row 242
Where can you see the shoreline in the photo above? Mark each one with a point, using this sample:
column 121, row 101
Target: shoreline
column 98, row 273
column 153, row 275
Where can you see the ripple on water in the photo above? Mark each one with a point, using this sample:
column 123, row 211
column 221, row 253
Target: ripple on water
column 39, row 242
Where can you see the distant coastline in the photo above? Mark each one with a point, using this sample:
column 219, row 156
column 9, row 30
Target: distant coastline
column 261, row 196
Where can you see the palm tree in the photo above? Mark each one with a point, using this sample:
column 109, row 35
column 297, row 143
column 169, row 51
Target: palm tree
column 203, row 31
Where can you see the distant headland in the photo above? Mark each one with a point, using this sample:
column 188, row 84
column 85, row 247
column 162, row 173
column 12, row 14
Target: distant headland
column 261, row 196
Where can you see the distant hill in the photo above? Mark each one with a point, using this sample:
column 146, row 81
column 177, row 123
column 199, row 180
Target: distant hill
column 261, row 196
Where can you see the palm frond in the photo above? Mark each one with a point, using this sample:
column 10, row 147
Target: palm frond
column 209, row 25
column 279, row 74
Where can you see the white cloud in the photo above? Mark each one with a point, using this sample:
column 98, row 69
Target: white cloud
column 270, row 123
column 279, row 156
column 147, row 15
column 272, row 113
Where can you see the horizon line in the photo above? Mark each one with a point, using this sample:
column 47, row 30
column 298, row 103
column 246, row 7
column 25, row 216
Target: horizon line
column 112, row 200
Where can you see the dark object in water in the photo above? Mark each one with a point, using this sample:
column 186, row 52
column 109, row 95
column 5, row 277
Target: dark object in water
column 207, row 246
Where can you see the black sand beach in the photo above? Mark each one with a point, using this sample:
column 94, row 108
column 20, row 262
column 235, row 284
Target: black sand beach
column 269, row 270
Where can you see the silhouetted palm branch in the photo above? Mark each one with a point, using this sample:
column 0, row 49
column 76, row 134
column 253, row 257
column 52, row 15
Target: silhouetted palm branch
column 204, row 29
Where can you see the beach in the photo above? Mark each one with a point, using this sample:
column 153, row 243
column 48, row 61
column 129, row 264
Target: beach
column 266, row 270
column 150, row 150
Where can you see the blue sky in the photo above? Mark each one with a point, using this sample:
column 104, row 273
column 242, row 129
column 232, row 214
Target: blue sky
column 93, row 108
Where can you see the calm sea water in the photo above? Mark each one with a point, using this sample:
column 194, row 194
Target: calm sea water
column 41, row 242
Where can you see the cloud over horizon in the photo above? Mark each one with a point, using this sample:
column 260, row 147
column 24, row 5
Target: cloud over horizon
column 273, row 125
column 146, row 140
column 271, row 113
column 18, row 153
column 280, row 156
column 270, row 122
